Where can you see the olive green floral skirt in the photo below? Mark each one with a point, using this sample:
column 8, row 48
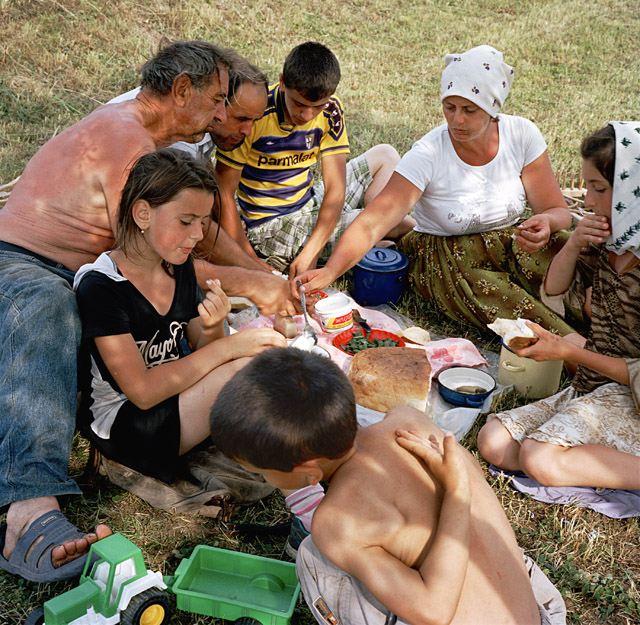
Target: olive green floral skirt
column 476, row 278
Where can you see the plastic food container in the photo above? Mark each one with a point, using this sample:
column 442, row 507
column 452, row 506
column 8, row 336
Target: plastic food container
column 530, row 378
column 457, row 386
column 230, row 585
column 335, row 312
column 380, row 277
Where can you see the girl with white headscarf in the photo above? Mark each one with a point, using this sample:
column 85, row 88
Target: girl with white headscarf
column 589, row 433
column 472, row 253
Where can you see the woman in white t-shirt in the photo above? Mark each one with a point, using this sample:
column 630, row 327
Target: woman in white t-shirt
column 472, row 254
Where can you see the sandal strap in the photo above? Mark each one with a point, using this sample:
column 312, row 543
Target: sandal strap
column 55, row 529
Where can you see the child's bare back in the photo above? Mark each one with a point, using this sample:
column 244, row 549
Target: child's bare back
column 381, row 515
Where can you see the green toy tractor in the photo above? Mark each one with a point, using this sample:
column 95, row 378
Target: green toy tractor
column 115, row 587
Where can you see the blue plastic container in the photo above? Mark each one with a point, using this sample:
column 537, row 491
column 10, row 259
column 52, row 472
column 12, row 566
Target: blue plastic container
column 380, row 277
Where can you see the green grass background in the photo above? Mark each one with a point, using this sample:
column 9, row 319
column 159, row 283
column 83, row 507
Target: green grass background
column 576, row 67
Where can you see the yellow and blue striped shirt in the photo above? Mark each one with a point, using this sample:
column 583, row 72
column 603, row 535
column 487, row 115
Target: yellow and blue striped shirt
column 276, row 159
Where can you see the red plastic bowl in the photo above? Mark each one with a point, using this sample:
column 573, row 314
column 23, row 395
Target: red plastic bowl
column 344, row 337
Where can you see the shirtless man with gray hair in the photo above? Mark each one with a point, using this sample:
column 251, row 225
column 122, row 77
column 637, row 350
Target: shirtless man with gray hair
column 60, row 215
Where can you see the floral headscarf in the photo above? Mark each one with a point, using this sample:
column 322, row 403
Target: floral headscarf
column 479, row 75
column 625, row 202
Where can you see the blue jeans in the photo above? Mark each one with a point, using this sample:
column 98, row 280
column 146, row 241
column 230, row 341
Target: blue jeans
column 40, row 335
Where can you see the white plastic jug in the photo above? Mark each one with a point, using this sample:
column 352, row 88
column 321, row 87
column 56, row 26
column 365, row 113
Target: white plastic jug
column 529, row 377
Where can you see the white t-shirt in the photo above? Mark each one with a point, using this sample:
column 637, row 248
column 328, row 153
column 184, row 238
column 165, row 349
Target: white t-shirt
column 458, row 198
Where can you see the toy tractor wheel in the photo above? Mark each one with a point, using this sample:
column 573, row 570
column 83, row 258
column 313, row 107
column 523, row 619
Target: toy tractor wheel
column 151, row 607
column 36, row 617
column 245, row 620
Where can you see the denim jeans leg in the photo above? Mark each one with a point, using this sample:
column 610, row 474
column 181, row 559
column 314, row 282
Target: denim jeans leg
column 40, row 334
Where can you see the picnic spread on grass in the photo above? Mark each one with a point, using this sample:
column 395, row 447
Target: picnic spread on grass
column 404, row 379
column 383, row 382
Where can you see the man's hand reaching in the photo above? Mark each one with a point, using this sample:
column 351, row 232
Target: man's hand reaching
column 272, row 294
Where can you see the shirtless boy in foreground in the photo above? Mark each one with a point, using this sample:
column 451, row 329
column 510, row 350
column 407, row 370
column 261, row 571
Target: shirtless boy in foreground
column 408, row 528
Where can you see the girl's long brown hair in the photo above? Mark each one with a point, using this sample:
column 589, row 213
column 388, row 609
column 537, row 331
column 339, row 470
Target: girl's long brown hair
column 158, row 177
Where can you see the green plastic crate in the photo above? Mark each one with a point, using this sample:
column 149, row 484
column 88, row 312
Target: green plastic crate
column 230, row 585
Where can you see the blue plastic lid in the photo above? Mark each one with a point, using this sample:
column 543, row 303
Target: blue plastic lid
column 383, row 260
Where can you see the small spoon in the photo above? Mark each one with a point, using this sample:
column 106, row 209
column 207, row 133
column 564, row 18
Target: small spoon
column 308, row 328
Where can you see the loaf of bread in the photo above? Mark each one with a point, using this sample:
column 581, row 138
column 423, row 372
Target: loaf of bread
column 386, row 377
column 515, row 333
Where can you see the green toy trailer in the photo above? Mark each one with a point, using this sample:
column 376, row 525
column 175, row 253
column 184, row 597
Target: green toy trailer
column 252, row 590
column 116, row 587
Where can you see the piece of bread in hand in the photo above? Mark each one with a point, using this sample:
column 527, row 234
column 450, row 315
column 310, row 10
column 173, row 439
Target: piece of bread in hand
column 515, row 333
column 386, row 377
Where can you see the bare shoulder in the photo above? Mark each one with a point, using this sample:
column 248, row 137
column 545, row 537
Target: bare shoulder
column 94, row 153
column 328, row 527
column 345, row 526
column 113, row 138
column 117, row 113
column 380, row 439
column 111, row 135
column 123, row 125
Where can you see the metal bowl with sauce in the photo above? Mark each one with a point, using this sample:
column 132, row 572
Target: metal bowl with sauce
column 465, row 386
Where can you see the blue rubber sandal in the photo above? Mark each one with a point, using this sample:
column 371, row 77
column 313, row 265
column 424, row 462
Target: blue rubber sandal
column 55, row 529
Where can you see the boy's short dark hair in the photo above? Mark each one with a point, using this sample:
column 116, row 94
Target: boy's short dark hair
column 285, row 407
column 312, row 70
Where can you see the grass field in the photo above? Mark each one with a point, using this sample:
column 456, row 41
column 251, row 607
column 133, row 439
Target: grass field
column 576, row 67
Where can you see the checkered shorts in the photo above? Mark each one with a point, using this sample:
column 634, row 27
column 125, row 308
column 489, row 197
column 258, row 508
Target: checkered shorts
column 279, row 240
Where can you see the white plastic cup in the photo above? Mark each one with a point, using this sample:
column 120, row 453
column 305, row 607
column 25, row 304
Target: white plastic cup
column 335, row 313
